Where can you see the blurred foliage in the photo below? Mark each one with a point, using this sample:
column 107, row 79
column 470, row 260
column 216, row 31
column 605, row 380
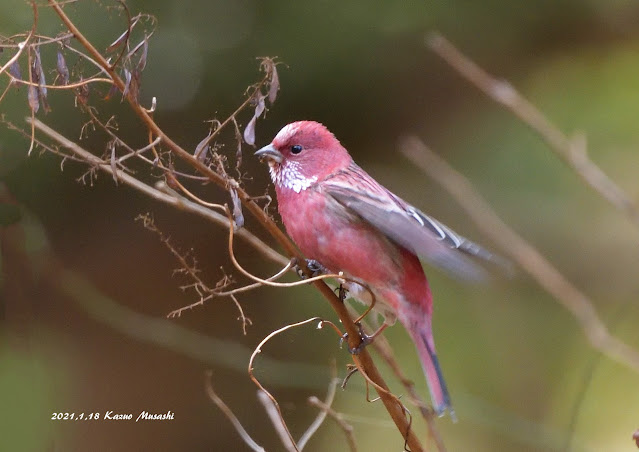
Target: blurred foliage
column 27, row 382
column 521, row 373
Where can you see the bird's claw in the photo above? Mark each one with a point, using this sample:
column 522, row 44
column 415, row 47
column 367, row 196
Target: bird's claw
column 365, row 340
column 314, row 266
column 341, row 292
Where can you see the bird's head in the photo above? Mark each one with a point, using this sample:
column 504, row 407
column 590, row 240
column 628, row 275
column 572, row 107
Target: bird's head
column 303, row 153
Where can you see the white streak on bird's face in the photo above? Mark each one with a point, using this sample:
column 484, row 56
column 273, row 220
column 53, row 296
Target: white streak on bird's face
column 287, row 175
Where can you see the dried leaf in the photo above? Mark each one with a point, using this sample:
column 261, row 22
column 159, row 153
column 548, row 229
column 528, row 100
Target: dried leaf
column 238, row 138
column 124, row 36
column 259, row 109
column 145, row 51
column 127, row 83
column 112, row 92
column 134, row 88
column 202, row 149
column 63, row 70
column 14, row 70
column 82, row 93
column 39, row 78
column 274, row 84
column 32, row 96
column 238, row 217
column 114, row 166
column 249, row 131
column 119, row 41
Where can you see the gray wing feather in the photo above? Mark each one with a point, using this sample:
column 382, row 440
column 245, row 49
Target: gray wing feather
column 413, row 230
column 454, row 240
column 417, row 232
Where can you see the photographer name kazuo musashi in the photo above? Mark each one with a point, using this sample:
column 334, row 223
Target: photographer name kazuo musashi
column 144, row 415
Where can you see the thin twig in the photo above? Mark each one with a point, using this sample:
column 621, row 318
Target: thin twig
column 278, row 420
column 162, row 193
column 229, row 293
column 137, row 152
column 72, row 85
column 386, row 392
column 190, row 269
column 571, row 150
column 339, row 419
column 385, row 351
column 230, row 415
column 319, row 420
column 275, row 416
column 528, row 258
column 15, row 57
column 41, row 40
column 31, row 108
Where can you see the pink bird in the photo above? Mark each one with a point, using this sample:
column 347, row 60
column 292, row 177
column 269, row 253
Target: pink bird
column 343, row 219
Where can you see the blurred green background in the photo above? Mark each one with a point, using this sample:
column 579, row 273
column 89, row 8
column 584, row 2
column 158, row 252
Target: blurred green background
column 522, row 374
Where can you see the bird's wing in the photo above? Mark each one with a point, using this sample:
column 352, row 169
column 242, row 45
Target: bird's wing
column 408, row 226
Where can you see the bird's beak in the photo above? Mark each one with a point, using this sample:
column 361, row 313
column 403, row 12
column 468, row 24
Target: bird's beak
column 269, row 152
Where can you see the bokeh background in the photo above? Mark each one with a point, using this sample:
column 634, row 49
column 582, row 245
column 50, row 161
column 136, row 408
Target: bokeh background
column 521, row 372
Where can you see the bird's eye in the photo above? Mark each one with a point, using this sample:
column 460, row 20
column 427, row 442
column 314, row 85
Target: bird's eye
column 296, row 149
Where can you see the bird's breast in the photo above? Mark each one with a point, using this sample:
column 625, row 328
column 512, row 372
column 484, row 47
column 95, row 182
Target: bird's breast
column 325, row 230
column 328, row 232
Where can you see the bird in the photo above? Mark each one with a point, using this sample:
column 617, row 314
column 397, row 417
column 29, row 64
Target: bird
column 344, row 221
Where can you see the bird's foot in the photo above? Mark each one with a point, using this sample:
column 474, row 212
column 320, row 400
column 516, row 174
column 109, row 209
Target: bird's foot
column 365, row 339
column 314, row 266
column 342, row 292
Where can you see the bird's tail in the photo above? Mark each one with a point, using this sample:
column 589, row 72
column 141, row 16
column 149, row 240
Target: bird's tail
column 434, row 378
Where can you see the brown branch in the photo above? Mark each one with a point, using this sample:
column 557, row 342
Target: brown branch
column 385, row 351
column 528, row 258
column 41, row 40
column 73, row 85
column 571, row 150
column 395, row 409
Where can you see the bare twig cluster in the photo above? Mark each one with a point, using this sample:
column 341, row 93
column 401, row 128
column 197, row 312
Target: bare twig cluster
column 272, row 410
